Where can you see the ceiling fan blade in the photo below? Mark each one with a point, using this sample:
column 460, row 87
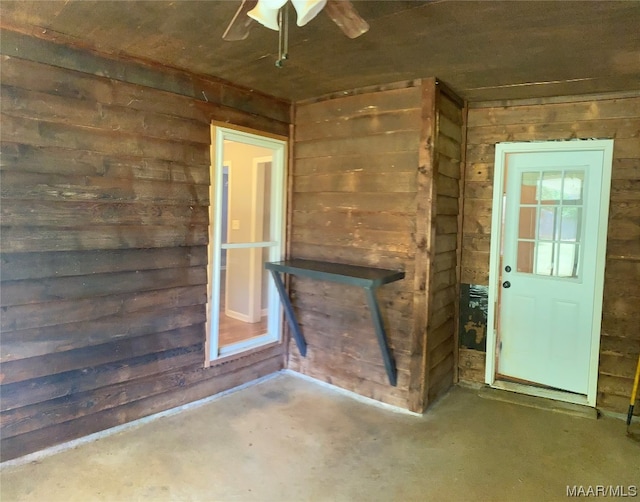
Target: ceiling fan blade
column 344, row 14
column 240, row 25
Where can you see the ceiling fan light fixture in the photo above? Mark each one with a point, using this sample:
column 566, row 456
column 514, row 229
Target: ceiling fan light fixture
column 266, row 13
column 307, row 9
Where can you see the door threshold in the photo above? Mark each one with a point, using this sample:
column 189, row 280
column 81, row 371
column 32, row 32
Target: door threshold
column 536, row 397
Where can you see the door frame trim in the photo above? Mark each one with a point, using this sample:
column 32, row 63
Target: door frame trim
column 221, row 131
column 502, row 150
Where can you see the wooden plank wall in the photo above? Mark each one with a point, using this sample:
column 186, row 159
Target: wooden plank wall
column 604, row 116
column 443, row 288
column 354, row 201
column 367, row 190
column 105, row 187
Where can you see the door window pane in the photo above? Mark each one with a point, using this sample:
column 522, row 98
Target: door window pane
column 550, row 222
column 527, row 226
column 248, row 210
column 551, row 187
column 224, row 216
column 547, row 224
column 243, row 296
column 544, row 258
column 525, row 257
column 529, row 188
column 571, row 220
column 568, row 255
column 568, row 260
column 573, row 187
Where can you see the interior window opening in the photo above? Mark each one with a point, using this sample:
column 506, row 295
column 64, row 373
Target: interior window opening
column 246, row 230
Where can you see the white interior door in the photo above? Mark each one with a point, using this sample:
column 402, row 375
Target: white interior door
column 549, row 270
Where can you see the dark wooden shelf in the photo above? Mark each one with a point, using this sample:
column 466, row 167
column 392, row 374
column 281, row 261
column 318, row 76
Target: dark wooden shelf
column 367, row 278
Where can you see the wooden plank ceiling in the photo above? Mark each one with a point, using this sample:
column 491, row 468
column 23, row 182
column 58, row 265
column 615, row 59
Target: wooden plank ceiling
column 483, row 50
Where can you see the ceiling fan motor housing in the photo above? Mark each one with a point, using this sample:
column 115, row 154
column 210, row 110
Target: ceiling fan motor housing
column 266, row 11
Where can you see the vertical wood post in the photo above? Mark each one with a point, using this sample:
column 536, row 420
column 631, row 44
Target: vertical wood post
column 456, row 336
column 424, row 239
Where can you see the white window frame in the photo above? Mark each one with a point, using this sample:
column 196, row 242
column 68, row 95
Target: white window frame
column 278, row 146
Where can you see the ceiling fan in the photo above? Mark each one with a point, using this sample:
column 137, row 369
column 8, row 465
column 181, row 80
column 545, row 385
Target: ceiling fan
column 266, row 12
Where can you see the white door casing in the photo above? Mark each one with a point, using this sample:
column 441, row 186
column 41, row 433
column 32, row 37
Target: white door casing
column 549, row 228
column 257, row 245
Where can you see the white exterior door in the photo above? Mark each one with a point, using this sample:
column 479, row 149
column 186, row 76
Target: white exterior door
column 550, row 265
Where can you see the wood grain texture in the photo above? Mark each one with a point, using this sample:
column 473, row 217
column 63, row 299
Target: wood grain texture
column 367, row 190
column 441, row 350
column 460, row 175
column 425, row 234
column 574, row 117
column 471, row 365
column 105, row 197
column 210, row 382
column 214, row 92
column 355, row 189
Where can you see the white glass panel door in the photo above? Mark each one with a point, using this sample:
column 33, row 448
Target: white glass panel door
column 546, row 299
column 246, row 231
column 546, row 278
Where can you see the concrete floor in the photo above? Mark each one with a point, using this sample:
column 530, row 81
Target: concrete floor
column 290, row 439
